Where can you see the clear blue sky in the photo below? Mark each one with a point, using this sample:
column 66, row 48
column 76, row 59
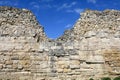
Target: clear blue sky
column 58, row 15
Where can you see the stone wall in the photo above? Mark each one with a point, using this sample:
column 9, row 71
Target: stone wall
column 84, row 52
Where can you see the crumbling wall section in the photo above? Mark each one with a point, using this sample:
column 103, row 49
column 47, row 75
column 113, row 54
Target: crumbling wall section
column 91, row 49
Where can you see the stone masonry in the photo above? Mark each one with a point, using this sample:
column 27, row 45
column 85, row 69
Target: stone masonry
column 91, row 49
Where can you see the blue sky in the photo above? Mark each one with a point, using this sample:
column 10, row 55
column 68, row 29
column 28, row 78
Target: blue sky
column 58, row 15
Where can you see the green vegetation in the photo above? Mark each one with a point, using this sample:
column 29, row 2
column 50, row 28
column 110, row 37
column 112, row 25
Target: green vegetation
column 117, row 78
column 91, row 79
column 105, row 78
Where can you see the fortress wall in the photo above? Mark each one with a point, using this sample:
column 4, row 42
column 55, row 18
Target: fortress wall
column 27, row 54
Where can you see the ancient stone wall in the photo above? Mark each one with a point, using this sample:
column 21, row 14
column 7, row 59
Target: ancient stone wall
column 90, row 50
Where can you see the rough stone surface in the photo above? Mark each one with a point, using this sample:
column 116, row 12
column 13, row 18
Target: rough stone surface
column 91, row 49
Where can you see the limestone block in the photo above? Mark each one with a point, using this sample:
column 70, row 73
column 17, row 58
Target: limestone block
column 15, row 57
column 44, row 65
column 63, row 66
column 90, row 34
column 9, row 62
column 25, row 63
column 102, row 34
column 15, row 66
column 63, row 62
column 60, row 70
column 74, row 66
column 20, row 67
column 24, row 56
column 1, row 66
column 74, row 62
column 68, row 47
column 66, row 70
column 95, row 59
column 74, row 57
column 82, row 55
column 9, row 66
